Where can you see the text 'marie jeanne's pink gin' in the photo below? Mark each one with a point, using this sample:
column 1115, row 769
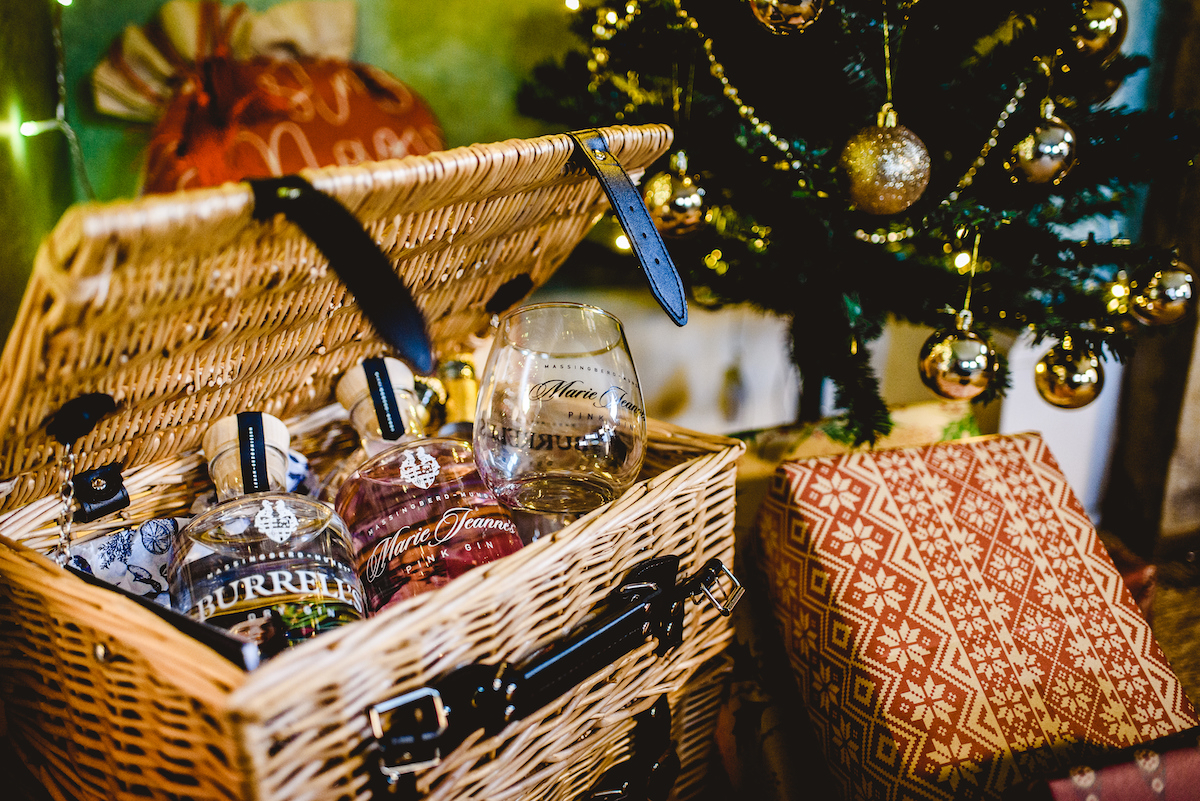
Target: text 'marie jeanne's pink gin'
column 420, row 515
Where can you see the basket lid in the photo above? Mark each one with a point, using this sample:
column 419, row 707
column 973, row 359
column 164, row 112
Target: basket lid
column 184, row 308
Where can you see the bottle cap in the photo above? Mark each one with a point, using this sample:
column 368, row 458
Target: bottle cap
column 224, row 432
column 355, row 384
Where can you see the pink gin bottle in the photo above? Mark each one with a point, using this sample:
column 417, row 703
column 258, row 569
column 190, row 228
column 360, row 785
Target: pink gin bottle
column 419, row 516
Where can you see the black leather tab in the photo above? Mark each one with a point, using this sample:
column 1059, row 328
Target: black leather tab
column 78, row 416
column 252, row 449
column 592, row 152
column 354, row 256
column 99, row 492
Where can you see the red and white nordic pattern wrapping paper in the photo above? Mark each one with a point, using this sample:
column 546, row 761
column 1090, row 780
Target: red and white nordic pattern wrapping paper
column 954, row 622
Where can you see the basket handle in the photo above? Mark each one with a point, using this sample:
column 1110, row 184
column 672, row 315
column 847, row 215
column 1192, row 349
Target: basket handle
column 414, row 731
column 592, row 151
column 358, row 261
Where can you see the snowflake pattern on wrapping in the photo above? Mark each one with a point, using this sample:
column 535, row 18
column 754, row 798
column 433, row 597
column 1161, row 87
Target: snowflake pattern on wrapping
column 954, row 622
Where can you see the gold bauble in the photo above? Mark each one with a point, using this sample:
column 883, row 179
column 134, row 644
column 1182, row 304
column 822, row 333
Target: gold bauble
column 1164, row 297
column 1045, row 156
column 1098, row 36
column 784, row 18
column 431, row 402
column 676, row 202
column 887, row 167
column 1069, row 377
column 957, row 364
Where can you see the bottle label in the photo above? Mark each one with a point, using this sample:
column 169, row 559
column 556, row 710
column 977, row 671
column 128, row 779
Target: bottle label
column 416, row 558
column 278, row 522
column 387, row 411
column 453, row 522
column 419, row 468
column 275, row 603
column 253, row 442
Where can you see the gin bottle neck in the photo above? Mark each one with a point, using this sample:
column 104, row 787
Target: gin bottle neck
column 236, row 473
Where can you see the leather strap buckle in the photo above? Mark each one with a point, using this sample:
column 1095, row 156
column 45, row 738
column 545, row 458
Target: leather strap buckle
column 423, row 721
column 707, row 581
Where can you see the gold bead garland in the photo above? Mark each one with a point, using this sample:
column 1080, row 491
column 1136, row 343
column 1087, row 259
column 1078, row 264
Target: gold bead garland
column 969, row 177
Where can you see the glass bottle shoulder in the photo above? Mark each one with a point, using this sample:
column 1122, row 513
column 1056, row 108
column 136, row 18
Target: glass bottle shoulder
column 264, row 519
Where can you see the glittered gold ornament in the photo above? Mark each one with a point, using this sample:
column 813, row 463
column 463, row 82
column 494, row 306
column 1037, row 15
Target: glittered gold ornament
column 1047, row 154
column 783, row 18
column 1098, row 36
column 957, row 364
column 886, row 165
column 1164, row 296
column 1069, row 377
column 431, row 402
column 676, row 202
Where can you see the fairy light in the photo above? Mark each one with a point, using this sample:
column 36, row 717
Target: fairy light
column 573, row 5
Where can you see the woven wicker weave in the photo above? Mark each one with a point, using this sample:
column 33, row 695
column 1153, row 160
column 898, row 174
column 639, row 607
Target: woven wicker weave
column 105, row 700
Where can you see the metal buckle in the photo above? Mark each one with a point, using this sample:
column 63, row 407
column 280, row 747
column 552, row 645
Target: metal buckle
column 709, row 577
column 426, row 716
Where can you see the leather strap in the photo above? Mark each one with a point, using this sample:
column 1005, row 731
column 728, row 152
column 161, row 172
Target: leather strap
column 650, row 772
column 355, row 257
column 418, row 729
column 592, row 152
column 99, row 492
column 77, row 417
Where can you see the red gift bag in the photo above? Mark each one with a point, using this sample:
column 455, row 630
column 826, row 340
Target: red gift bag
column 238, row 95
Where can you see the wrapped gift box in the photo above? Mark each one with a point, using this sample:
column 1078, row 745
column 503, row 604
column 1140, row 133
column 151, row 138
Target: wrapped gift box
column 954, row 624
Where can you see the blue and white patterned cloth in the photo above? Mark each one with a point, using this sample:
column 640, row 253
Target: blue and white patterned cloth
column 134, row 559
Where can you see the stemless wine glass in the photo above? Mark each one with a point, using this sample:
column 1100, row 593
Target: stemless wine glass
column 559, row 428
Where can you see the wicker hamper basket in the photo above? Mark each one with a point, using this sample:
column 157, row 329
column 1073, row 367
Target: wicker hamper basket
column 183, row 308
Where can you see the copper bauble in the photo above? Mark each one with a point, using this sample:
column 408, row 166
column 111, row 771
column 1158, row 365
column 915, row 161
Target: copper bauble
column 1069, row 377
column 676, row 202
column 887, row 167
column 1098, row 36
column 957, row 364
column 1045, row 156
column 1164, row 296
column 783, row 18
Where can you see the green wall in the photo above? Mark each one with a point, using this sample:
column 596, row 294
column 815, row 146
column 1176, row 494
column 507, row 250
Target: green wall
column 35, row 177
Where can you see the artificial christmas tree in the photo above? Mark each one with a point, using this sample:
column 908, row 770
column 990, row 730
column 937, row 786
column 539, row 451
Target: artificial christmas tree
column 822, row 207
